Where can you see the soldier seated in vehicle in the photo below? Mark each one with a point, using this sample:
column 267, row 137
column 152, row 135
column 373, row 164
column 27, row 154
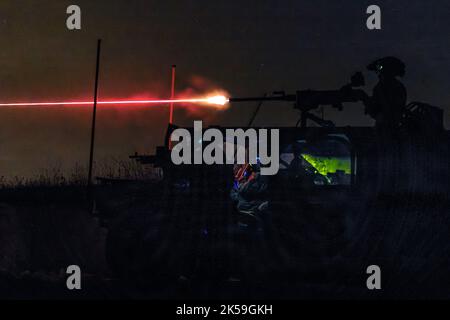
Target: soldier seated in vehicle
column 249, row 191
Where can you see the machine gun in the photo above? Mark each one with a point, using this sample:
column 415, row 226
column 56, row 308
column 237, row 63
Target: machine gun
column 307, row 100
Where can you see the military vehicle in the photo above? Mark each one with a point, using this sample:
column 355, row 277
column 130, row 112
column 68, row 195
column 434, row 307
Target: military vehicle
column 355, row 186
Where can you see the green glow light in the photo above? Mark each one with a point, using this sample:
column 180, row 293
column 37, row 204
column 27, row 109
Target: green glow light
column 326, row 165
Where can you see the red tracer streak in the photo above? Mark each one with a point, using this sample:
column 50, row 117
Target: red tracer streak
column 215, row 100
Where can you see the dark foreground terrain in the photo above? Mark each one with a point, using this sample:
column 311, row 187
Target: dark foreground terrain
column 142, row 241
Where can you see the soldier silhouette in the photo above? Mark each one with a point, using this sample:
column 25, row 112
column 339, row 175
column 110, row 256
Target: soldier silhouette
column 388, row 101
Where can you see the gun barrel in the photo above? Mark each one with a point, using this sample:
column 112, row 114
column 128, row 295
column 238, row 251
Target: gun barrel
column 274, row 98
column 310, row 99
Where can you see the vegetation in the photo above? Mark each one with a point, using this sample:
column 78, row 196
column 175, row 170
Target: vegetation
column 56, row 176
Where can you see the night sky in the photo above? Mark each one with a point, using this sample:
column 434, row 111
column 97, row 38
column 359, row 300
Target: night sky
column 244, row 47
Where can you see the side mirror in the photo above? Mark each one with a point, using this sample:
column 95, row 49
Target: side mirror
column 357, row 79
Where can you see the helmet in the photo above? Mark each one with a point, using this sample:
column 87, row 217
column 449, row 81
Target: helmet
column 388, row 66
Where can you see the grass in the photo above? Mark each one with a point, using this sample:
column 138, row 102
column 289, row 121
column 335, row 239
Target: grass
column 56, row 176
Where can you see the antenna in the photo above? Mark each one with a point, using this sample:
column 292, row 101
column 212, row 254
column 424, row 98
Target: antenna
column 94, row 111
